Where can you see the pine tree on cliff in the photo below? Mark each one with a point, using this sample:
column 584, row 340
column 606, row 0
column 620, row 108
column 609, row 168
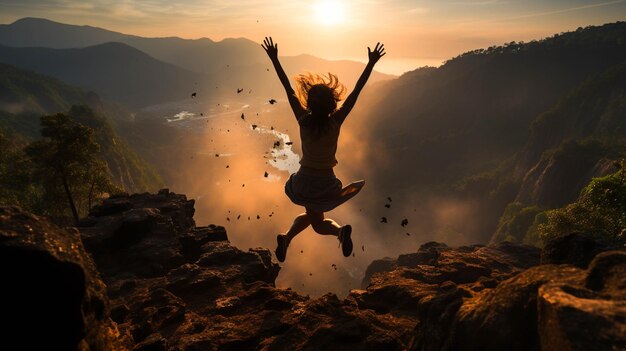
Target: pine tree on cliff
column 66, row 165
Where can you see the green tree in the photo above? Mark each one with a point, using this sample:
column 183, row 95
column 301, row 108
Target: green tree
column 600, row 211
column 66, row 164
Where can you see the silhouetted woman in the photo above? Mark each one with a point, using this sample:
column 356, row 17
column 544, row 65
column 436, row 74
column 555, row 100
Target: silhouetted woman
column 315, row 186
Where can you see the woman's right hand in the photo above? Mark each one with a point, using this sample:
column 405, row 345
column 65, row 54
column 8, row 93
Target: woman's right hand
column 374, row 56
column 270, row 48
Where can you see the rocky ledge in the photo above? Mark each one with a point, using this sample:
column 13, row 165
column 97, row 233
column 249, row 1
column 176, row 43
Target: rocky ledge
column 173, row 286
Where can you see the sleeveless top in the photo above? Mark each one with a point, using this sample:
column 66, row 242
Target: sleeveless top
column 318, row 149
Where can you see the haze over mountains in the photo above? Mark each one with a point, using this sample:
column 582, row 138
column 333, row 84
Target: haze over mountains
column 157, row 70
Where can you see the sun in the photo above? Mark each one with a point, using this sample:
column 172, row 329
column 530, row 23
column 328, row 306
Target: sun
column 329, row 13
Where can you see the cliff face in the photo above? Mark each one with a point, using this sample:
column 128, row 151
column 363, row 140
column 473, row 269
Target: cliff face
column 173, row 286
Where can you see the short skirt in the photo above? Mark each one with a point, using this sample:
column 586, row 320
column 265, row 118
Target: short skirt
column 319, row 192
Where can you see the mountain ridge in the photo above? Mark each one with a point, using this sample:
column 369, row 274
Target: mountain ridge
column 115, row 70
column 191, row 54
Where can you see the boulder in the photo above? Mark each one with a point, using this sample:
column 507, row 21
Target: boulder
column 53, row 297
column 575, row 248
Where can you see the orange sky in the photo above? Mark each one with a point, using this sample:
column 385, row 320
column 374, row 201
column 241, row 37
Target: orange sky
column 415, row 32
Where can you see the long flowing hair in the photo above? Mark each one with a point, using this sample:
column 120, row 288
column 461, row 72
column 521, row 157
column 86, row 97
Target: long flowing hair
column 319, row 94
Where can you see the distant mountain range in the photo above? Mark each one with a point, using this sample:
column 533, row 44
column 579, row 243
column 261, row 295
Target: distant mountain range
column 114, row 70
column 201, row 55
column 143, row 71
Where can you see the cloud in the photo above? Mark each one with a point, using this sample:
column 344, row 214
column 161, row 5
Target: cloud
column 570, row 9
column 419, row 10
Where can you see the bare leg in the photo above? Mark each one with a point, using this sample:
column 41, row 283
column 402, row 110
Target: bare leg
column 300, row 223
column 323, row 226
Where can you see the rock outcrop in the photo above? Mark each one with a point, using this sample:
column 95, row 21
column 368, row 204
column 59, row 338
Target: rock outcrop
column 175, row 286
column 171, row 285
column 52, row 294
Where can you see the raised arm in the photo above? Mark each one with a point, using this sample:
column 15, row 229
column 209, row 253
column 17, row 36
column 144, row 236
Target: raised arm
column 272, row 51
column 374, row 56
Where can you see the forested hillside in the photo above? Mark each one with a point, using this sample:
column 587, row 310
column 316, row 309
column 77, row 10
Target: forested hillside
column 457, row 132
column 26, row 96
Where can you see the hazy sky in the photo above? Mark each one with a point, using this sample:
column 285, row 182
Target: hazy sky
column 413, row 30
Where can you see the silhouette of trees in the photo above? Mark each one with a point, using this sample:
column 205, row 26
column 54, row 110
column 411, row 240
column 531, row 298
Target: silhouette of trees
column 65, row 164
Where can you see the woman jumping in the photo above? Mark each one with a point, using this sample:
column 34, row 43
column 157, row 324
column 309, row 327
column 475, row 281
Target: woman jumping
column 315, row 186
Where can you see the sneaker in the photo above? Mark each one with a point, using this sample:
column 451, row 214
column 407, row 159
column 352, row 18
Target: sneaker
column 345, row 240
column 281, row 249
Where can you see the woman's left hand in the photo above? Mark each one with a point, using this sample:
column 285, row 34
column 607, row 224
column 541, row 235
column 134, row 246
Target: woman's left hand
column 379, row 51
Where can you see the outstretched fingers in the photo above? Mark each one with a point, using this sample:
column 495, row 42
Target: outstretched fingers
column 377, row 53
column 380, row 48
column 270, row 47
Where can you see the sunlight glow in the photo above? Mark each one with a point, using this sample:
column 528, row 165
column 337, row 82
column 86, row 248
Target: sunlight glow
column 329, row 13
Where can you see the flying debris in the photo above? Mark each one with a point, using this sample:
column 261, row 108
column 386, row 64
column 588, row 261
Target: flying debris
column 193, row 95
column 272, row 101
column 289, row 143
column 404, row 222
column 239, row 90
column 383, row 220
column 266, row 174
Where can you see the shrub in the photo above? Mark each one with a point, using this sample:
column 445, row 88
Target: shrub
column 600, row 212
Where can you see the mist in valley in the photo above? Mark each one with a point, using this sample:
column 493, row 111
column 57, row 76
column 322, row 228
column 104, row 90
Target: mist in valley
column 229, row 155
